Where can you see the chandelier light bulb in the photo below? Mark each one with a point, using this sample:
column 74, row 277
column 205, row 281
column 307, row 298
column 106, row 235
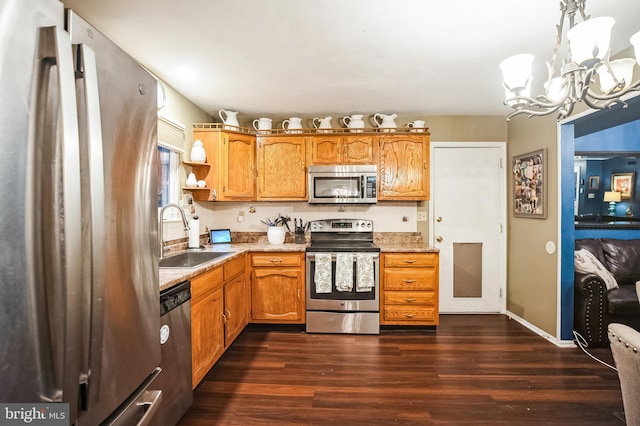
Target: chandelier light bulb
column 516, row 72
column 635, row 42
column 589, row 40
column 556, row 89
column 622, row 70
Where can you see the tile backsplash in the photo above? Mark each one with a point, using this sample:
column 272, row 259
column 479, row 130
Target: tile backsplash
column 387, row 216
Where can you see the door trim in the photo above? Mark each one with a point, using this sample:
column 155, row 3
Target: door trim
column 503, row 208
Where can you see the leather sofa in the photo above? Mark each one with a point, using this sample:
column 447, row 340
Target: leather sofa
column 595, row 307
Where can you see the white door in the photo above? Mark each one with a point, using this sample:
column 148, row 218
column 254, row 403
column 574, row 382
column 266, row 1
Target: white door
column 467, row 209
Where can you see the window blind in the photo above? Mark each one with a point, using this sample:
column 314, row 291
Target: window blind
column 171, row 134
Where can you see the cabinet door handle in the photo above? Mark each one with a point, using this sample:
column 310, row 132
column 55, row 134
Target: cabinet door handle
column 299, row 295
column 224, row 318
column 409, row 315
column 228, row 312
column 409, row 281
column 409, row 299
column 409, row 261
column 424, row 165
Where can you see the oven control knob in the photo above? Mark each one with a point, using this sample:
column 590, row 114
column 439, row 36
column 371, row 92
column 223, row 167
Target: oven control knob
column 368, row 224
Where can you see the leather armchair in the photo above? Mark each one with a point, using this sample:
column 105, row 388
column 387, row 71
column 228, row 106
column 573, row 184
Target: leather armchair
column 595, row 307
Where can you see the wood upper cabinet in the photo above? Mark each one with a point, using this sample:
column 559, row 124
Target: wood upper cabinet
column 331, row 150
column 277, row 288
column 403, row 167
column 409, row 289
column 282, row 168
column 230, row 174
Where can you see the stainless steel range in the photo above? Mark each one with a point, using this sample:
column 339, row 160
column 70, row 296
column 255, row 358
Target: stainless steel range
column 343, row 277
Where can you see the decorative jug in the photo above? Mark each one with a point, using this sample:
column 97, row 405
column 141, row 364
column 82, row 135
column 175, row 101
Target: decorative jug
column 354, row 122
column 230, row 118
column 198, row 155
column 191, row 180
column 417, row 126
column 262, row 123
column 385, row 121
column 292, row 123
column 322, row 123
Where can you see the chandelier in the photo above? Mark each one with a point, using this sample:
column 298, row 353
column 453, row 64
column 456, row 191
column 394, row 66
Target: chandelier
column 575, row 80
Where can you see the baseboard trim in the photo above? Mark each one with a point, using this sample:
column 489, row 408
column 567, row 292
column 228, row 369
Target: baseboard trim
column 557, row 342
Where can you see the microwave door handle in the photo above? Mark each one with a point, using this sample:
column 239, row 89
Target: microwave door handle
column 55, row 212
column 92, row 166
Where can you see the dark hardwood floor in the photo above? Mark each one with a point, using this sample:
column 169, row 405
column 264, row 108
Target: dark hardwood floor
column 475, row 370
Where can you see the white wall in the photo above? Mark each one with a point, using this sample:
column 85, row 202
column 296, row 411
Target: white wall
column 396, row 216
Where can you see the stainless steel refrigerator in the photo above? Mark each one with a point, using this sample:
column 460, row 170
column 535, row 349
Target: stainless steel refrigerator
column 79, row 297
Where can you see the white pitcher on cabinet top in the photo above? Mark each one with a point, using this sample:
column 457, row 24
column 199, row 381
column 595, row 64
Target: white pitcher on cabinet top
column 353, row 122
column 384, row 121
column 322, row 123
column 230, row 118
column 262, row 123
column 416, row 126
column 292, row 123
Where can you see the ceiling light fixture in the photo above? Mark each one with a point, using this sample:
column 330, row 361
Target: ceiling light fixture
column 575, row 80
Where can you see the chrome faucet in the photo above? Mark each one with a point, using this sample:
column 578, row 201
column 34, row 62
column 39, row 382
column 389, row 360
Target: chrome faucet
column 184, row 222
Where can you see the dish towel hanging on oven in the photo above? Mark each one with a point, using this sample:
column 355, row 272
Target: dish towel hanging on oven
column 344, row 271
column 365, row 280
column 322, row 274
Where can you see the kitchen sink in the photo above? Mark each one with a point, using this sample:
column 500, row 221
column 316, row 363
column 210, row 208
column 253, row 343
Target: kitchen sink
column 190, row 259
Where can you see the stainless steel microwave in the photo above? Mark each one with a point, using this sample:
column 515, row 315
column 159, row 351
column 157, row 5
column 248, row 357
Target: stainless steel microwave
column 343, row 184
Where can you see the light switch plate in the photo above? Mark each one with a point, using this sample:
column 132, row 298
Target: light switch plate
column 422, row 216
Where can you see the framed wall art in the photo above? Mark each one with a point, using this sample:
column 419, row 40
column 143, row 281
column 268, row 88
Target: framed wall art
column 594, row 182
column 624, row 184
column 529, row 185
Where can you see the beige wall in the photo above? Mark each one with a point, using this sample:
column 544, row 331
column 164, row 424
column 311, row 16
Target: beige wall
column 180, row 109
column 531, row 272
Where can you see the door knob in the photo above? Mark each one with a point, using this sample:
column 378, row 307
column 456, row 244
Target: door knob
column 439, row 219
column 439, row 239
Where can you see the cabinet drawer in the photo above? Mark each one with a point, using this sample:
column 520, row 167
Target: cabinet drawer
column 276, row 259
column 233, row 267
column 410, row 313
column 205, row 283
column 427, row 298
column 409, row 279
column 411, row 259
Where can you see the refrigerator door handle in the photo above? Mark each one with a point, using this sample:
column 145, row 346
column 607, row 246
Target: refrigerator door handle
column 92, row 166
column 56, row 211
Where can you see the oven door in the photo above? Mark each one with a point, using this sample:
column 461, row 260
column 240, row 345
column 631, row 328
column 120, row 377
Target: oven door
column 347, row 301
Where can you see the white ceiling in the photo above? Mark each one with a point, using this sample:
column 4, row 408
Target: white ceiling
column 304, row 57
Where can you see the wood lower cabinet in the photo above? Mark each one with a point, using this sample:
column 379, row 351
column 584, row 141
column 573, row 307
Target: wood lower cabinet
column 409, row 289
column 277, row 288
column 403, row 167
column 282, row 168
column 331, row 150
column 218, row 314
column 230, row 169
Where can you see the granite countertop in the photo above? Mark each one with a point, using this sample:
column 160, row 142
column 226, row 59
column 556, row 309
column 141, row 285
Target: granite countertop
column 172, row 276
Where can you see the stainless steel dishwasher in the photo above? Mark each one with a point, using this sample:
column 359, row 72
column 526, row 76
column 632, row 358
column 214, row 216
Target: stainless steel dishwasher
column 175, row 340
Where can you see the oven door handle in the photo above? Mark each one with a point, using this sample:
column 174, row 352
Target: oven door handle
column 312, row 256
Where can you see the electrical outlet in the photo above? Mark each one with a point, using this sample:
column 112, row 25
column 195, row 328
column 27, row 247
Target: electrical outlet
column 422, row 216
